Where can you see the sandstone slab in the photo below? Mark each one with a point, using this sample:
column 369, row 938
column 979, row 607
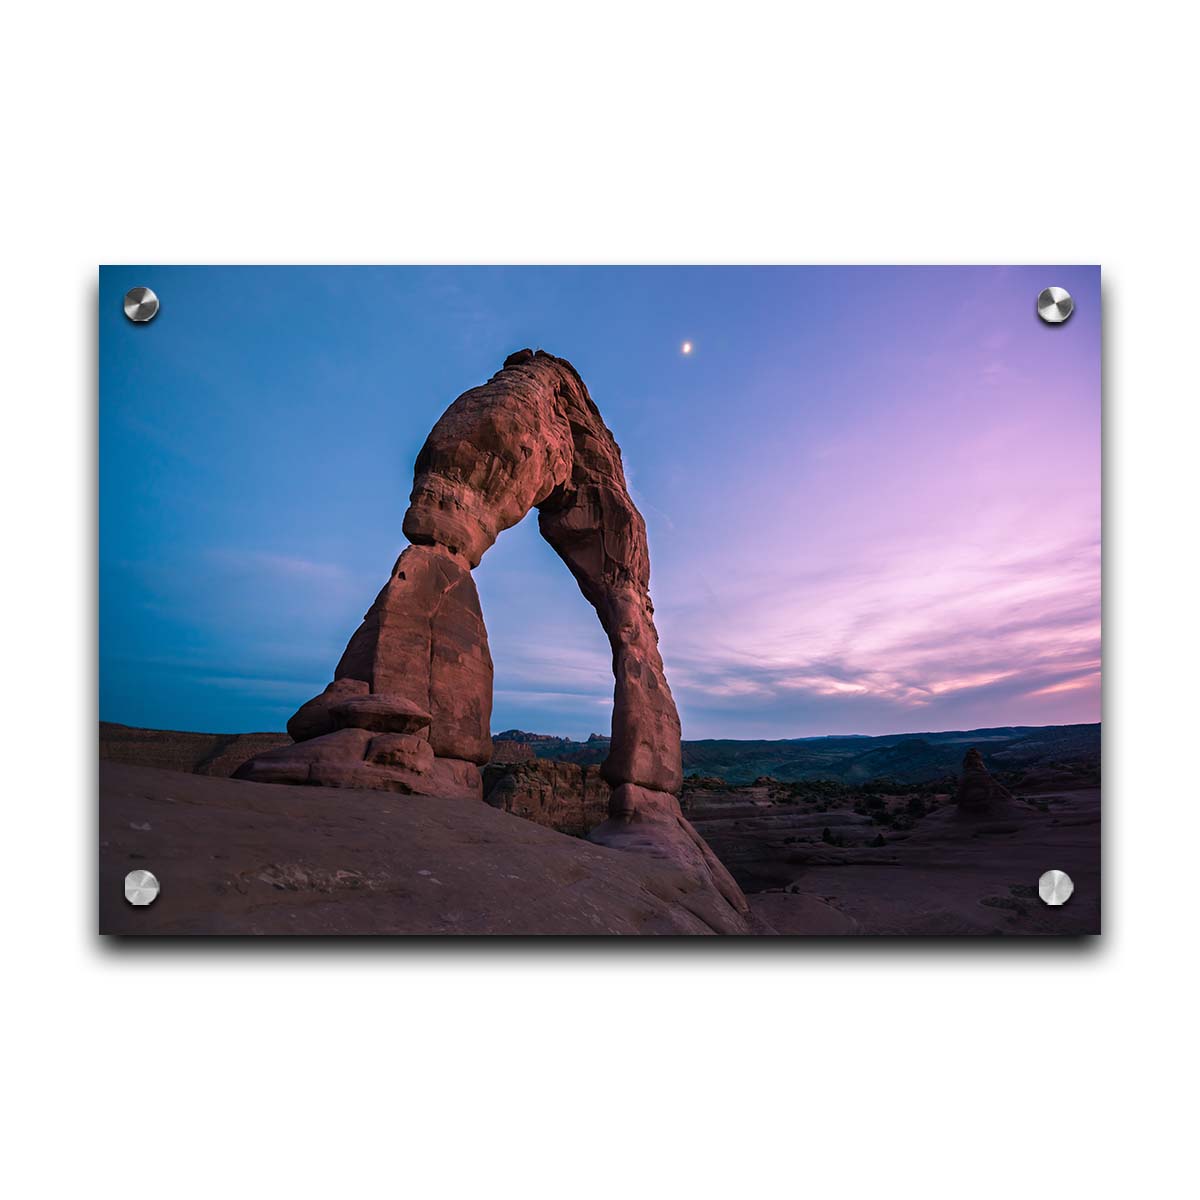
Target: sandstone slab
column 315, row 717
column 237, row 858
column 383, row 712
column 359, row 758
column 646, row 822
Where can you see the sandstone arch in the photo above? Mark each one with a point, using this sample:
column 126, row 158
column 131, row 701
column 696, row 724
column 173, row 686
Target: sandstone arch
column 410, row 705
column 532, row 438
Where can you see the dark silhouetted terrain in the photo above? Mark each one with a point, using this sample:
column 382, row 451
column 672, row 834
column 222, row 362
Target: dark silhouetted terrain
column 1019, row 755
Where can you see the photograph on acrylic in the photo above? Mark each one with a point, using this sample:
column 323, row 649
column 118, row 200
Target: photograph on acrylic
column 601, row 601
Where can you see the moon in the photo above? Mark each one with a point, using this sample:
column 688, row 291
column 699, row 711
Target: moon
column 686, row 348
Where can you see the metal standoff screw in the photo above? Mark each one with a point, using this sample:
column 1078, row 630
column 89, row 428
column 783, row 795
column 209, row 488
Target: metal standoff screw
column 141, row 888
column 1055, row 887
column 1055, row 305
column 141, row 305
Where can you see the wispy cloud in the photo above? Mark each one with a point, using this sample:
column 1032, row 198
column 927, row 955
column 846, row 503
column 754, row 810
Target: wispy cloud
column 893, row 645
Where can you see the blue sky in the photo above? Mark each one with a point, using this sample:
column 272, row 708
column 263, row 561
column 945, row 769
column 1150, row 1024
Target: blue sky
column 872, row 494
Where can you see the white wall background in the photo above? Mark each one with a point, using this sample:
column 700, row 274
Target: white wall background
column 622, row 132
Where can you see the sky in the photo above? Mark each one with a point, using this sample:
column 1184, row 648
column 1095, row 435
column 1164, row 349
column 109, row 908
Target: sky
column 872, row 493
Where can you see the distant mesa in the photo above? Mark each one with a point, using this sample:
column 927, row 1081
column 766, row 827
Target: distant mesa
column 409, row 708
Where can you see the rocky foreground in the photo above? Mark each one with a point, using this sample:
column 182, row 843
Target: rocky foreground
column 812, row 859
column 234, row 857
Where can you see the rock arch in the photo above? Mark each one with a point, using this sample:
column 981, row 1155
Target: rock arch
column 409, row 707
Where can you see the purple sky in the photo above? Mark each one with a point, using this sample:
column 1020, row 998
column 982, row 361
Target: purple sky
column 873, row 494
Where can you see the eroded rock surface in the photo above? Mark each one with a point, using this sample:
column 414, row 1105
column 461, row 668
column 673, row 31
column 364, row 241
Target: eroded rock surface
column 649, row 822
column 424, row 640
column 505, row 752
column 531, row 437
column 359, row 758
column 559, row 795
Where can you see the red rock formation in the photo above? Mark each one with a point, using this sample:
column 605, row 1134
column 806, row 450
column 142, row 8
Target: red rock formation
column 417, row 667
column 313, row 719
column 650, row 822
column 977, row 790
column 424, row 639
column 530, row 437
column 559, row 795
column 505, row 752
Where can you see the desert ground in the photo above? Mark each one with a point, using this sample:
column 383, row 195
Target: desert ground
column 814, row 859
column 235, row 857
column 949, row 874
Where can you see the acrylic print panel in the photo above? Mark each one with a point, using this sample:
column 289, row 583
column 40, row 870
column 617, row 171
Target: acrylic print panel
column 865, row 698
